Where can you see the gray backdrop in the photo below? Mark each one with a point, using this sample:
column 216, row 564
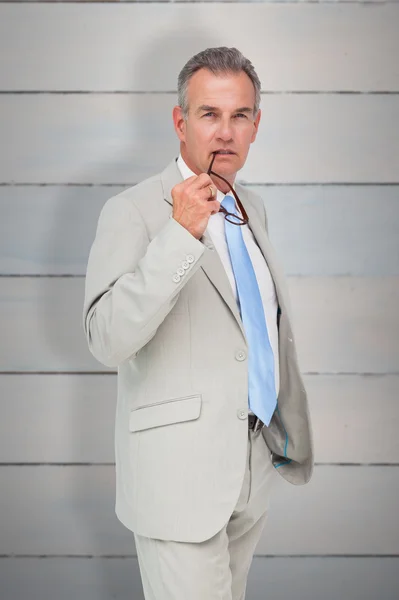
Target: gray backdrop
column 86, row 94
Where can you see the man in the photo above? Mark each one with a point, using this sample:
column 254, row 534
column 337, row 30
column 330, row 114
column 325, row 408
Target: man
column 185, row 296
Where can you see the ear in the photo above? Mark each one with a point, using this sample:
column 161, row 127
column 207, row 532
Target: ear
column 179, row 123
column 256, row 125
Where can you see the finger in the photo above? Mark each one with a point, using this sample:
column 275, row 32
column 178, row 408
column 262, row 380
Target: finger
column 205, row 189
column 189, row 181
column 215, row 205
column 204, row 179
column 212, row 192
column 208, row 190
column 200, row 181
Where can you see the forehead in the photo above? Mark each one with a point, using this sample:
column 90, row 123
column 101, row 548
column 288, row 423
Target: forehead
column 227, row 90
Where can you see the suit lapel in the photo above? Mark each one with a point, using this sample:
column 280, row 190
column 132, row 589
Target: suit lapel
column 216, row 273
column 211, row 263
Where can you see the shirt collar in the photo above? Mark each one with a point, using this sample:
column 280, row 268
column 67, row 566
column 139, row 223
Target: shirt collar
column 186, row 172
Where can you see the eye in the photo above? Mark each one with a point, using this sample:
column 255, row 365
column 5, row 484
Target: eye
column 237, row 115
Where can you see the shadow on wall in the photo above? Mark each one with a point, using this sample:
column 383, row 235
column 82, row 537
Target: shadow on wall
column 97, row 537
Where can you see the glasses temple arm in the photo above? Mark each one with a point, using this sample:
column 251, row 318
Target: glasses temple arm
column 244, row 213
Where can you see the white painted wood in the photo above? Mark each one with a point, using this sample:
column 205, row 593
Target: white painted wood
column 293, row 46
column 123, row 138
column 41, row 319
column 49, row 230
column 316, row 230
column 79, row 408
column 334, row 230
column 342, row 510
column 355, row 419
column 342, row 324
column 283, row 578
column 346, row 324
column 323, row 579
column 70, row 510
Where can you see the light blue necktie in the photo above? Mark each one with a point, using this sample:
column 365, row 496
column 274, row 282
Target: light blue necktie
column 261, row 382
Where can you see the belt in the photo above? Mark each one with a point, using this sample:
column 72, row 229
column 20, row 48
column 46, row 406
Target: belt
column 255, row 423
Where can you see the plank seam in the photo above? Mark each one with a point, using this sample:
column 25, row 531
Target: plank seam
column 245, row 184
column 271, row 2
column 306, row 373
column 129, row 556
column 112, row 464
column 81, row 275
column 174, row 92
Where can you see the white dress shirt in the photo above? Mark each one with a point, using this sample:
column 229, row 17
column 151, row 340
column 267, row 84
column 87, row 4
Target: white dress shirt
column 216, row 231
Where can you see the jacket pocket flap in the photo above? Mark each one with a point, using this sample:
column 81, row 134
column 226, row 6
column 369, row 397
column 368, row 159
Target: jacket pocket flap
column 165, row 413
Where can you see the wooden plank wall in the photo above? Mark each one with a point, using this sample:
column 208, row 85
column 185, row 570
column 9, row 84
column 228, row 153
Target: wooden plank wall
column 86, row 92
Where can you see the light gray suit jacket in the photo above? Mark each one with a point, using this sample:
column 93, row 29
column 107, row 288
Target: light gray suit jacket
column 181, row 352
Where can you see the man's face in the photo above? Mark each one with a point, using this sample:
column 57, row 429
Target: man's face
column 220, row 117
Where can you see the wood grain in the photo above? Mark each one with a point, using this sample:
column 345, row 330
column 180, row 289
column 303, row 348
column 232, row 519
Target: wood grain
column 70, row 510
column 124, row 138
column 316, row 230
column 355, row 418
column 119, row 578
column 342, row 324
column 117, row 46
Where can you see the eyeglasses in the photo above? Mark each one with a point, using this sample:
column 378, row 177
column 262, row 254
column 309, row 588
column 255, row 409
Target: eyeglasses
column 238, row 220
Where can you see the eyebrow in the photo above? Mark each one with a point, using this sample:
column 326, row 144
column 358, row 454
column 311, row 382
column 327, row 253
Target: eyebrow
column 207, row 108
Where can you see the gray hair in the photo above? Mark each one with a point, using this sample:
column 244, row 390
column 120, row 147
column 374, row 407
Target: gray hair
column 217, row 60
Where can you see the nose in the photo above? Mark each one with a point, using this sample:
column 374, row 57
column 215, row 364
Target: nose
column 224, row 130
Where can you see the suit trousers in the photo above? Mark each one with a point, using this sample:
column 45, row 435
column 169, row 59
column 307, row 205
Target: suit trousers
column 217, row 568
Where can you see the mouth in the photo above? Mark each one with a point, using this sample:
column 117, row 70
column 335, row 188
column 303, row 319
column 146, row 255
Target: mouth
column 222, row 152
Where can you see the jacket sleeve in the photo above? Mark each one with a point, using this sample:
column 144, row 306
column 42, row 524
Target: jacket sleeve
column 131, row 282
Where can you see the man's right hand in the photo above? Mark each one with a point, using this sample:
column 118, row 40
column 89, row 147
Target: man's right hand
column 193, row 204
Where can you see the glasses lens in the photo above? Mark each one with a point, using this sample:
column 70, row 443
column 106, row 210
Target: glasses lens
column 235, row 219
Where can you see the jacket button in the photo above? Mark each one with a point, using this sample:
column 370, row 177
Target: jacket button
column 190, row 258
column 185, row 264
column 180, row 271
column 242, row 413
column 176, row 278
column 240, row 355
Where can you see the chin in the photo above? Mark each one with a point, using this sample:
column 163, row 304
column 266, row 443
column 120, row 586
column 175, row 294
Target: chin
column 228, row 166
